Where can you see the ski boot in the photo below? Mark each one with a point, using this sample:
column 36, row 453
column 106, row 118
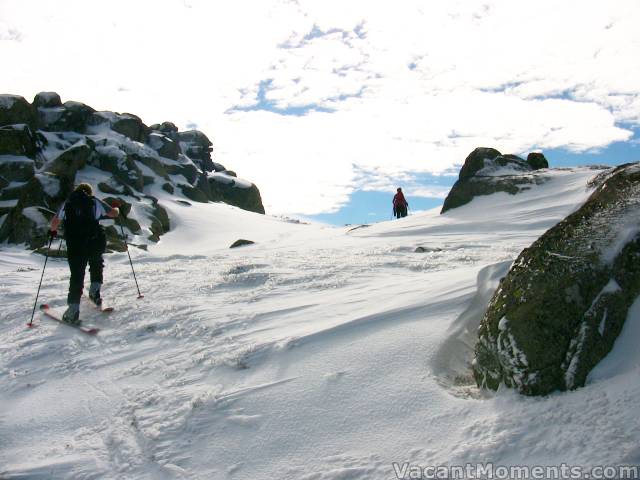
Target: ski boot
column 94, row 293
column 72, row 314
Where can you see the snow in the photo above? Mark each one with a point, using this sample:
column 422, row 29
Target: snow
column 626, row 234
column 14, row 159
column 15, row 126
column 222, row 177
column 157, row 140
column 573, row 359
column 51, row 114
column 316, row 353
column 48, row 97
column 492, row 169
column 8, row 203
column 109, row 117
column 112, row 151
column 50, row 184
column 34, row 214
column 624, row 359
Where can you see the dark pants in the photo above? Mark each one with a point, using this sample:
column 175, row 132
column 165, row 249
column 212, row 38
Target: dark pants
column 400, row 211
column 80, row 251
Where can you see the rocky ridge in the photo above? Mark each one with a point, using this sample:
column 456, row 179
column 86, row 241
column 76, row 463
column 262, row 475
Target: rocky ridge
column 46, row 147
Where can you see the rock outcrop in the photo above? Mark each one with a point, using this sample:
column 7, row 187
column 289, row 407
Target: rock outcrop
column 486, row 171
column 560, row 308
column 46, row 147
column 241, row 243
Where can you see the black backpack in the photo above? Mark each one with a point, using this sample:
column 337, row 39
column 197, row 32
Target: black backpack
column 79, row 216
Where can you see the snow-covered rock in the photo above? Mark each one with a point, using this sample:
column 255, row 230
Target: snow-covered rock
column 486, row 171
column 14, row 110
column 18, row 140
column 41, row 160
column 562, row 305
column 47, row 100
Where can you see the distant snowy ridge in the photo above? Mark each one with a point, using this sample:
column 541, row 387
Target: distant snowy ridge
column 47, row 147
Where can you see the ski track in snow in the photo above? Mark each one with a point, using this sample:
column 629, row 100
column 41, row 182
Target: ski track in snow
column 318, row 353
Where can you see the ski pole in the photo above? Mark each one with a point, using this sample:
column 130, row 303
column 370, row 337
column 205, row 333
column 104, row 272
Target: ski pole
column 126, row 246
column 124, row 239
column 30, row 324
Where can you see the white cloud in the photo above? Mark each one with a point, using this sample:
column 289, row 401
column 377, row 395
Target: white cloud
column 8, row 34
column 386, row 88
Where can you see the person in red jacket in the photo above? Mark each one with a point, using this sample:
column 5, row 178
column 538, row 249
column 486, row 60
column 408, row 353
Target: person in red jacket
column 400, row 204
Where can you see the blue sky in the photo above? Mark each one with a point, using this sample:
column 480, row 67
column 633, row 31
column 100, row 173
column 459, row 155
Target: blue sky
column 375, row 206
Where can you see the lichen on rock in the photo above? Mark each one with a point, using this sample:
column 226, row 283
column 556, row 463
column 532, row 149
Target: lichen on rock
column 563, row 303
column 486, row 171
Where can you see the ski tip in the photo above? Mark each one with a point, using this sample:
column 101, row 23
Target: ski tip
column 30, row 325
column 44, row 306
column 107, row 309
column 140, row 296
column 93, row 331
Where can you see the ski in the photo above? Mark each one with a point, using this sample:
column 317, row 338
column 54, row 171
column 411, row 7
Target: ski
column 46, row 309
column 100, row 307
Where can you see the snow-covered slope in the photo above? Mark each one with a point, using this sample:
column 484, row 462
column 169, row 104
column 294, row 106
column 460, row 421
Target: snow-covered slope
column 317, row 353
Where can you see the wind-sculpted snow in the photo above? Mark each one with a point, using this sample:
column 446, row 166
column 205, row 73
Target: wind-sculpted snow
column 315, row 353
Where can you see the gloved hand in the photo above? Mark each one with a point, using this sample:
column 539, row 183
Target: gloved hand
column 53, row 234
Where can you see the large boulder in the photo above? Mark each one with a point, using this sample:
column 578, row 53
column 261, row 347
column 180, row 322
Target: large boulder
column 164, row 145
column 65, row 165
column 242, row 194
column 185, row 168
column 28, row 220
column 71, row 116
column 154, row 164
column 167, row 128
column 160, row 223
column 14, row 109
column 122, row 166
column 18, row 140
column 193, row 193
column 476, row 160
column 25, row 226
column 16, row 169
column 126, row 124
column 47, row 100
column 563, row 303
column 537, row 160
column 197, row 146
column 486, row 171
column 131, row 126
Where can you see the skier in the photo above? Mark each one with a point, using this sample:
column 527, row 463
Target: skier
column 400, row 204
column 86, row 242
